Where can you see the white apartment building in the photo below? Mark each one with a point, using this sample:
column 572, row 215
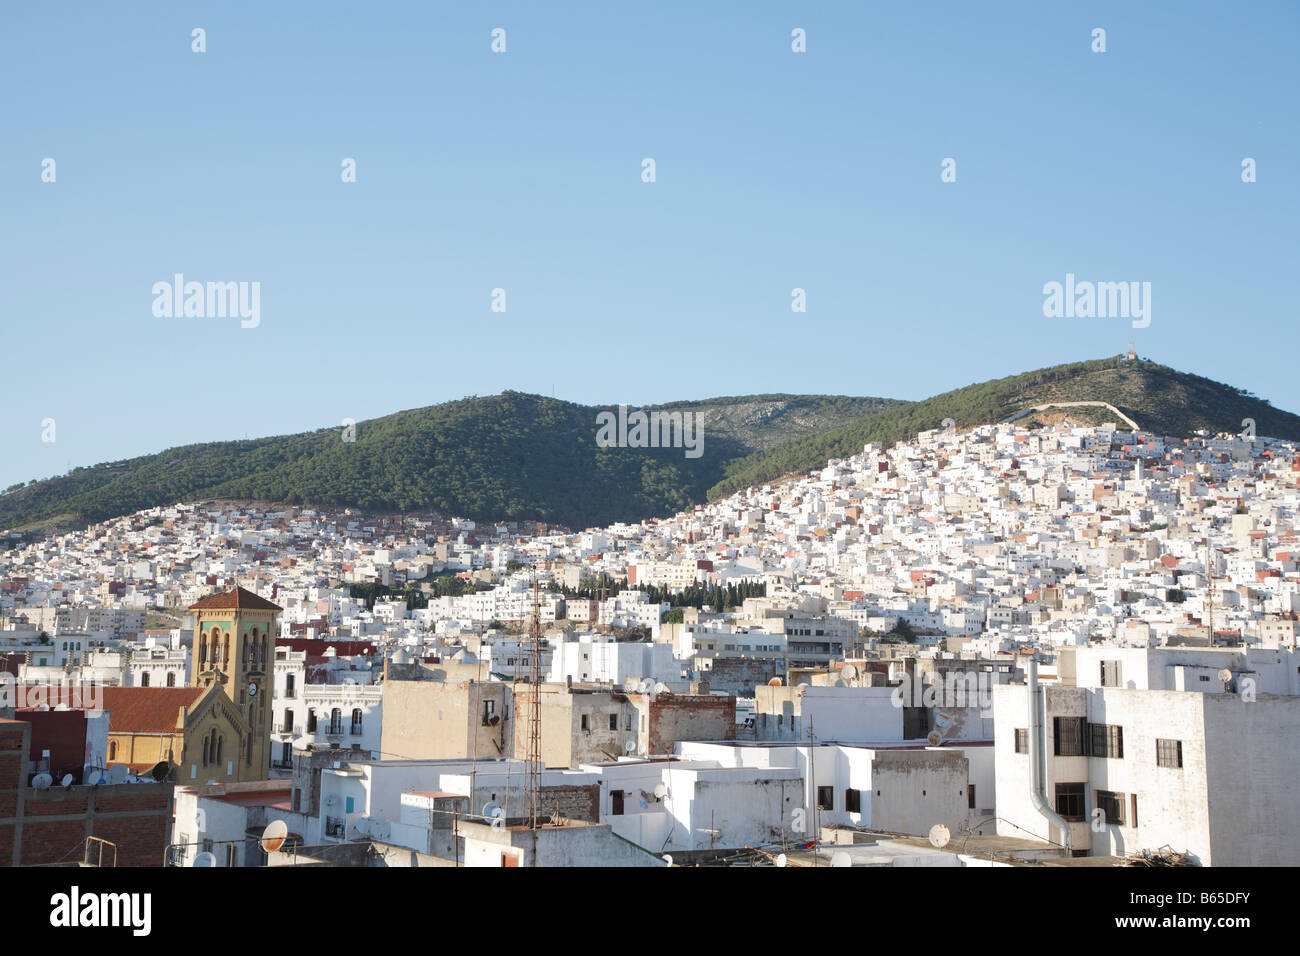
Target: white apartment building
column 1126, row 770
column 596, row 659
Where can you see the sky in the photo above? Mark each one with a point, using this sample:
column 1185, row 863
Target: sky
column 522, row 170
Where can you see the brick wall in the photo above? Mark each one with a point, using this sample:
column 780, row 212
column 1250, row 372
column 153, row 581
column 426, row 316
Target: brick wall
column 677, row 717
column 51, row 826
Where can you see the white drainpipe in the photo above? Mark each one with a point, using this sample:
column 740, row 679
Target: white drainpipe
column 1037, row 745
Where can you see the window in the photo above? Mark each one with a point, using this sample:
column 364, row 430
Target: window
column 616, row 802
column 1169, row 753
column 1111, row 806
column 288, row 687
column 1070, row 799
column 1107, row 740
column 825, row 798
column 1110, row 674
column 356, row 721
column 1133, row 803
column 336, row 721
column 171, row 678
column 970, row 796
column 311, row 720
column 287, row 726
column 1068, row 732
column 144, row 679
column 853, row 800
column 613, row 721
column 112, row 750
column 1022, row 740
column 584, row 722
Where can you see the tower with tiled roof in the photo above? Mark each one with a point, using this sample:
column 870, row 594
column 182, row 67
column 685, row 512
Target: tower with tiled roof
column 234, row 647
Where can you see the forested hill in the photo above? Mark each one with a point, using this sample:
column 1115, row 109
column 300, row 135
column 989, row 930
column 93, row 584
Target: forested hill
column 504, row 456
column 517, row 456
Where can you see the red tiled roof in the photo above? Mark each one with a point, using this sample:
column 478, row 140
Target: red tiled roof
column 239, row 598
column 147, row 710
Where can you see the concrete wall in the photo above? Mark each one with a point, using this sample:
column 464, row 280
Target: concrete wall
column 431, row 720
column 915, row 789
column 1253, row 769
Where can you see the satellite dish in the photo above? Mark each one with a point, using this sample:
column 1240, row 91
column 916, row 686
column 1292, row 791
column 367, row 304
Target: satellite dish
column 840, row 858
column 780, row 860
column 362, row 826
column 118, row 773
column 848, row 672
column 774, row 682
column 491, row 809
column 204, row 859
column 661, row 688
column 66, row 782
column 494, row 719
column 645, row 687
column 94, row 778
column 939, row 836
column 274, row 835
column 160, row 771
column 42, row 781
column 934, row 738
column 630, row 746
column 1225, row 675
column 840, row 683
column 668, row 859
column 661, row 791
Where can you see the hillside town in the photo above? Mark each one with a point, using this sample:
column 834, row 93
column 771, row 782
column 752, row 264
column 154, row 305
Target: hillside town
column 1005, row 646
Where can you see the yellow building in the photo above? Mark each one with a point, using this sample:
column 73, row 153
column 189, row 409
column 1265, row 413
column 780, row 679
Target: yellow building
column 234, row 647
column 196, row 730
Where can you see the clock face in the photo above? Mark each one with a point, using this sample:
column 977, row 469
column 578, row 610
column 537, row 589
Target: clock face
column 252, row 689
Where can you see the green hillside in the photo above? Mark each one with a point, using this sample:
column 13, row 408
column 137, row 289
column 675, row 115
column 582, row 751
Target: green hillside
column 504, row 456
column 516, row 456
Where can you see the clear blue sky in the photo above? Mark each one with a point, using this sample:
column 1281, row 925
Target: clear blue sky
column 522, row 171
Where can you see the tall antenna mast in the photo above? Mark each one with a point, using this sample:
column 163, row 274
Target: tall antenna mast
column 534, row 720
column 1209, row 568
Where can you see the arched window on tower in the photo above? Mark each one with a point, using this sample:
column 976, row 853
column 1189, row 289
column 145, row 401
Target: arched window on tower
column 112, row 750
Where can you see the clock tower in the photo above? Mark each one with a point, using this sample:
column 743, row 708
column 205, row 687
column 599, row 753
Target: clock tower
column 234, row 648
